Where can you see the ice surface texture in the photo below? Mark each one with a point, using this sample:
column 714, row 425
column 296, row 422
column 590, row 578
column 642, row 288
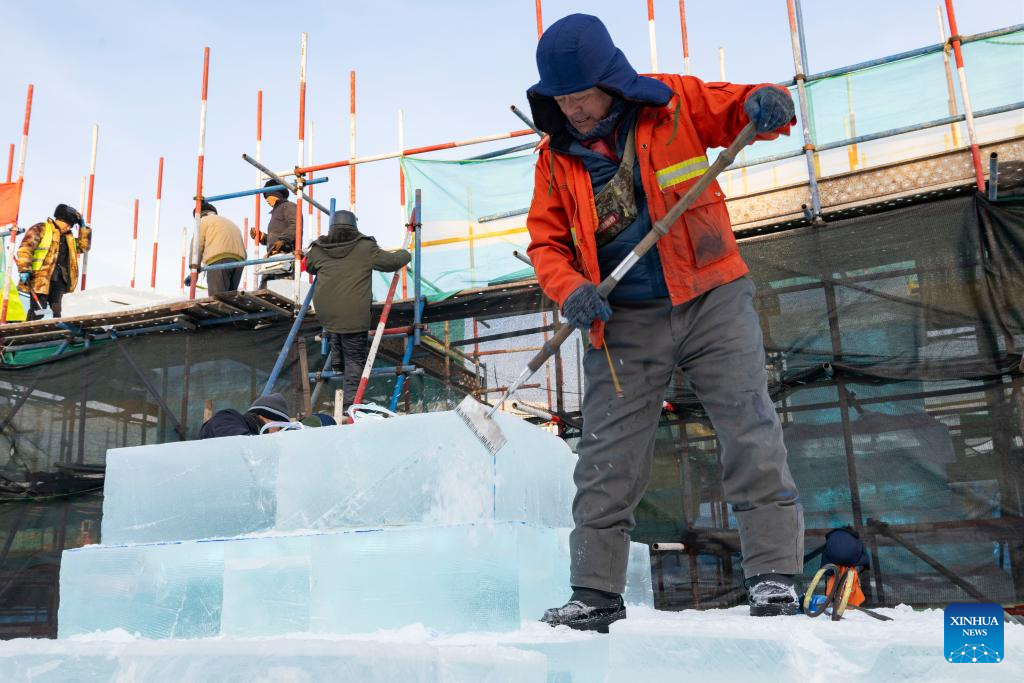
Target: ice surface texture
column 487, row 576
column 413, row 469
column 231, row 661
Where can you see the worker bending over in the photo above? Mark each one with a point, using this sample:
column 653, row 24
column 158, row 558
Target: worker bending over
column 621, row 150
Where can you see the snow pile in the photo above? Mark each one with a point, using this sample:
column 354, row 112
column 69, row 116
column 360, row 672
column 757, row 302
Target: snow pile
column 113, row 299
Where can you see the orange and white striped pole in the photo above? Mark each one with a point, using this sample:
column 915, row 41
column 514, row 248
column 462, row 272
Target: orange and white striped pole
column 298, row 195
column 259, row 173
column 184, row 251
column 201, row 157
column 972, row 135
column 135, row 242
column 21, row 182
column 156, row 222
column 686, row 39
column 540, row 19
column 88, row 205
column 401, row 194
column 245, row 250
column 651, row 36
column 352, row 140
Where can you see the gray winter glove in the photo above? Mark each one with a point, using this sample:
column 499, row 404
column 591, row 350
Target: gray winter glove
column 584, row 306
column 769, row 108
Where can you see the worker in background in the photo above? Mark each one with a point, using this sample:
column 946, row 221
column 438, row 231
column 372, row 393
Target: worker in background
column 621, row 150
column 48, row 259
column 343, row 262
column 280, row 235
column 220, row 241
column 264, row 410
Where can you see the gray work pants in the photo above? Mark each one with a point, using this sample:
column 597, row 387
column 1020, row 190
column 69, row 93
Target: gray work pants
column 716, row 340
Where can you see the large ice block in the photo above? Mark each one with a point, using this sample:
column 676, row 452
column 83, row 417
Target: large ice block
column 487, row 576
column 292, row 659
column 414, row 469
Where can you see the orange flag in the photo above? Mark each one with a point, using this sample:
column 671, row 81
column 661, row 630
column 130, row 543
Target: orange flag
column 9, row 196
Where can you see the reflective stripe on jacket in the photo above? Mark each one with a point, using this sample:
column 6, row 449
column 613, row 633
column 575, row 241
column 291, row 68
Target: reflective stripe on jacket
column 699, row 252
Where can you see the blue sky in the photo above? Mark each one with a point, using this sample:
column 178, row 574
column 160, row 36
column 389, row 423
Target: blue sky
column 454, row 66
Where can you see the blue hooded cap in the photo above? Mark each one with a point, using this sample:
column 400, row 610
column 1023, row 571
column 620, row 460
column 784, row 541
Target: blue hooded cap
column 576, row 53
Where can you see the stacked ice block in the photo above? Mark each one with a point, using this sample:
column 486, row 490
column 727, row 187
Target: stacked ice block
column 337, row 530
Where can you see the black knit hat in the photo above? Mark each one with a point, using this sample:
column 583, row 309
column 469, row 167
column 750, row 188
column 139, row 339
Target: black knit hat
column 280, row 193
column 205, row 208
column 68, row 214
column 272, row 407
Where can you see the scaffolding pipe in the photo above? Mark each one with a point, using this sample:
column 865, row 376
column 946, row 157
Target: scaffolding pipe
column 199, row 173
column 812, row 178
column 21, row 182
column 300, row 181
column 88, row 206
column 651, row 36
column 950, row 88
column 351, row 140
column 292, row 334
column 972, row 135
column 686, row 41
column 135, row 242
column 523, row 257
column 407, row 152
column 184, row 250
column 526, row 119
column 540, row 19
column 803, row 35
column 245, row 251
column 156, row 221
column 259, row 174
column 721, row 63
column 295, row 188
column 225, row 265
column 993, row 177
column 868, row 137
column 401, row 194
column 260, row 190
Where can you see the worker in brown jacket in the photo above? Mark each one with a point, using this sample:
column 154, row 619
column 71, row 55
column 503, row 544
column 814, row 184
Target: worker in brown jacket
column 220, row 241
column 48, row 259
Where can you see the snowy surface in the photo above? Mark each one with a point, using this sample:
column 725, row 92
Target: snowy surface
column 427, row 468
column 715, row 645
column 113, row 299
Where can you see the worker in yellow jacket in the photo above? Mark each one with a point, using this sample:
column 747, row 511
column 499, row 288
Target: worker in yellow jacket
column 48, row 259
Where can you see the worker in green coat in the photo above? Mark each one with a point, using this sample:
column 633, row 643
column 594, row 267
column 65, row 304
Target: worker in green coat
column 343, row 262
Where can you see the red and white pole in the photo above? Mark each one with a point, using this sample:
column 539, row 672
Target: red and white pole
column 21, row 183
column 135, row 241
column 298, row 195
column 194, row 256
column 972, row 135
column 686, row 39
column 156, row 222
column 351, row 140
column 259, row 173
column 184, row 251
column 651, row 36
column 88, row 206
column 401, row 193
column 540, row 19
column 245, row 249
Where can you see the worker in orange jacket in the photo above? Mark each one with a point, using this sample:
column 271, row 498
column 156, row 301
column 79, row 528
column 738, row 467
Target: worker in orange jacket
column 620, row 150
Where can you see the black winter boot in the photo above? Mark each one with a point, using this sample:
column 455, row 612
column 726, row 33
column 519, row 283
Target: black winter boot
column 587, row 610
column 772, row 595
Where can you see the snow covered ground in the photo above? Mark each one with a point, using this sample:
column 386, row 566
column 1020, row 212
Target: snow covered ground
column 716, row 645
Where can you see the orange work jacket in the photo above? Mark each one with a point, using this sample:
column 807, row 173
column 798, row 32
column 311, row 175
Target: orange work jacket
column 699, row 253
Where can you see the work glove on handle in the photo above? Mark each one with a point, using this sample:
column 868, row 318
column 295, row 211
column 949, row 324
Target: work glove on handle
column 769, row 108
column 584, row 306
